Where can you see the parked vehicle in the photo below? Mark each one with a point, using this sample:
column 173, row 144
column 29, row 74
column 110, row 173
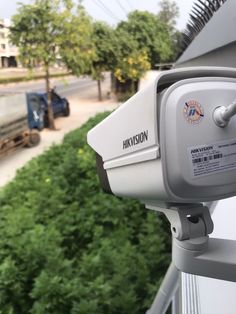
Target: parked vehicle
column 23, row 116
column 19, row 122
column 60, row 105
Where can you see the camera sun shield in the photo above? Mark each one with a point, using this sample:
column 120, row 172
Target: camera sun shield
column 163, row 144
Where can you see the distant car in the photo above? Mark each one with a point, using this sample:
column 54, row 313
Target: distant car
column 39, row 103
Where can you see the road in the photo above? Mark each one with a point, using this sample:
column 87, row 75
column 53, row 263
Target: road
column 82, row 95
column 67, row 86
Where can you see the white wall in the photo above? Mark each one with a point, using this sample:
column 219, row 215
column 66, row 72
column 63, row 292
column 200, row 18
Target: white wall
column 218, row 296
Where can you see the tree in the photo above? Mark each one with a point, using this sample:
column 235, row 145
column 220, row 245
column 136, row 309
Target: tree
column 104, row 59
column 151, row 34
column 169, row 11
column 132, row 67
column 178, row 43
column 76, row 46
column 130, row 64
column 36, row 31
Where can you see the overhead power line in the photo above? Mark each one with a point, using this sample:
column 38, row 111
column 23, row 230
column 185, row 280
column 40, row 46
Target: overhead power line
column 122, row 7
column 102, row 6
column 131, row 6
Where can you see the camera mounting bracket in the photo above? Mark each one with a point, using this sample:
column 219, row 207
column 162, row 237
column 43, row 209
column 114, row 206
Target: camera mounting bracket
column 192, row 250
column 187, row 221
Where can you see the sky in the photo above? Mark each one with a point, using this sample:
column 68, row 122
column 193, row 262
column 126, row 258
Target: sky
column 111, row 11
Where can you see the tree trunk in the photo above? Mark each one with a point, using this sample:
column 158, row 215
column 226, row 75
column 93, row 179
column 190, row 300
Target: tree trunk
column 49, row 98
column 99, row 90
column 133, row 87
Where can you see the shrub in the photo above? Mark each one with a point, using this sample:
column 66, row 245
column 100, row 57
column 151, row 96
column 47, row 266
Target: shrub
column 66, row 247
column 27, row 78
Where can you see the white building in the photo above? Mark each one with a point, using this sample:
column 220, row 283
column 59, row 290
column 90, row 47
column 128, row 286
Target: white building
column 8, row 52
column 214, row 45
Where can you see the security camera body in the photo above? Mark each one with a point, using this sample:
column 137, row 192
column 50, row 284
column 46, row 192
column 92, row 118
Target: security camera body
column 163, row 144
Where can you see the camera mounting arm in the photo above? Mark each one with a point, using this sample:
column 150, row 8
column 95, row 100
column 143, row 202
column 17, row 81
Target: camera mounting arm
column 223, row 114
column 192, row 250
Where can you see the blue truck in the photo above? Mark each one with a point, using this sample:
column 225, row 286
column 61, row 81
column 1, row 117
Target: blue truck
column 38, row 108
column 22, row 116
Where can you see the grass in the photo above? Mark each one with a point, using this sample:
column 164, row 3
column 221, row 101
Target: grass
column 30, row 78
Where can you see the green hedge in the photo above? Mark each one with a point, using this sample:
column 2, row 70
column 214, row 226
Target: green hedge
column 66, row 247
column 19, row 79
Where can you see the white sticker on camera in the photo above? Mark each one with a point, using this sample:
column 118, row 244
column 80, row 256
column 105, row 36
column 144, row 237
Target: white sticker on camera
column 212, row 158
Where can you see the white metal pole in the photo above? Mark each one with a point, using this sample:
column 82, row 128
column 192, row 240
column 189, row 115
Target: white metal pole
column 176, row 302
column 166, row 292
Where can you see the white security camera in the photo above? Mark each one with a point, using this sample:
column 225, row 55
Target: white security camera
column 173, row 146
column 169, row 143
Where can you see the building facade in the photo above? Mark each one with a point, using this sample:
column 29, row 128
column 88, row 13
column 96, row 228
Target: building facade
column 8, row 52
column 215, row 44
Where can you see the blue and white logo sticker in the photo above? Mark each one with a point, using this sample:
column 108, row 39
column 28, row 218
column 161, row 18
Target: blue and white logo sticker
column 193, row 112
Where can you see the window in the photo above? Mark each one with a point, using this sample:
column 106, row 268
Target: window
column 55, row 97
column 3, row 46
column 34, row 103
column 2, row 35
